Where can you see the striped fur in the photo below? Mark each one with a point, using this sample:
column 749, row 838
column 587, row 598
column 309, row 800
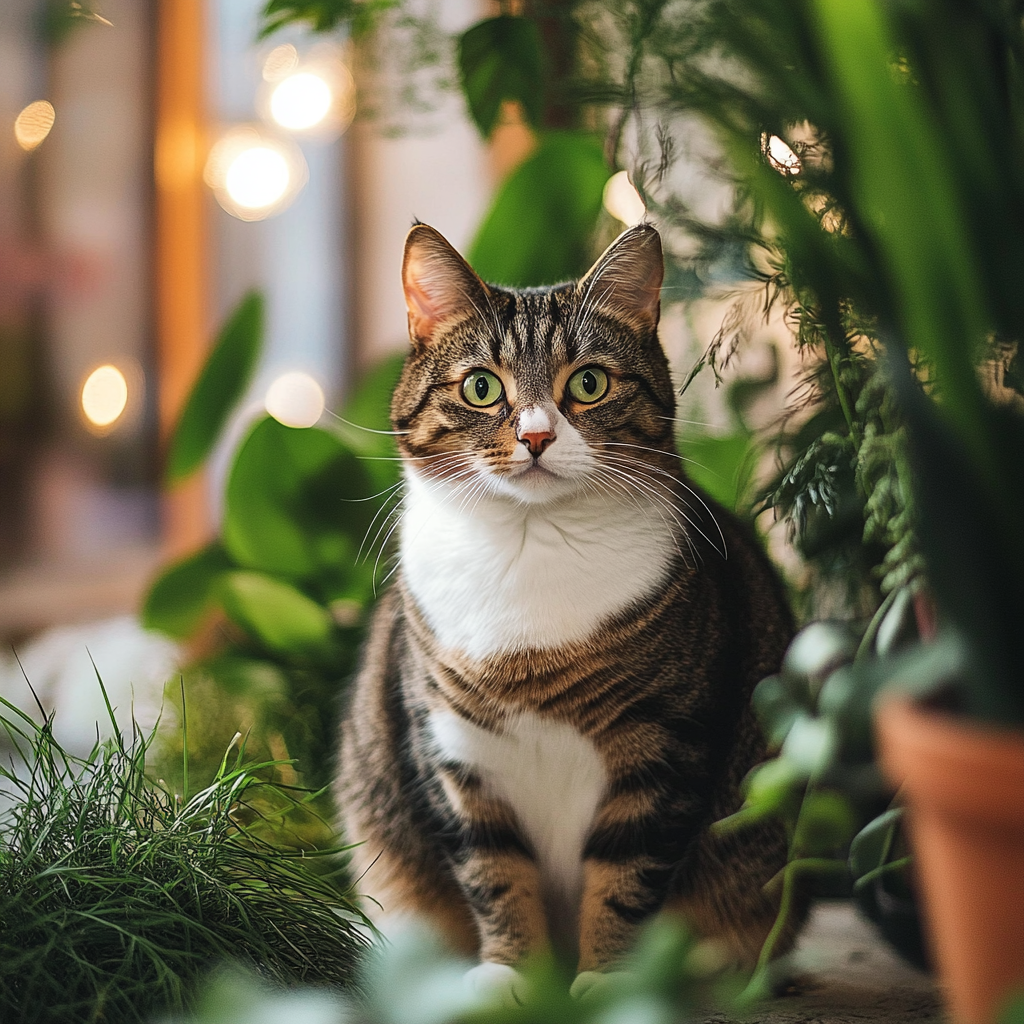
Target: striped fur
column 554, row 700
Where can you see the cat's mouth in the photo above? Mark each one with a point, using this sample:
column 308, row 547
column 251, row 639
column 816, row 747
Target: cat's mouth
column 534, row 472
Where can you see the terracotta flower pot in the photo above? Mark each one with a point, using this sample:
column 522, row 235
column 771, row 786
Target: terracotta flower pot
column 964, row 791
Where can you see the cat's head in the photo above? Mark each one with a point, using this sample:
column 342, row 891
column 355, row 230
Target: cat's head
column 535, row 394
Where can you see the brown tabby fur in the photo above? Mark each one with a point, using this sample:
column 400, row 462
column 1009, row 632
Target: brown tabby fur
column 662, row 690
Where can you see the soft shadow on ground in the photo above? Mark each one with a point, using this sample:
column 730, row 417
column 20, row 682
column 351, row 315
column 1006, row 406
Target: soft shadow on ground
column 849, row 975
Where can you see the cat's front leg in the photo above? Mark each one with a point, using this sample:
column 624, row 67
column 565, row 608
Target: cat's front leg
column 630, row 861
column 617, row 899
column 496, row 871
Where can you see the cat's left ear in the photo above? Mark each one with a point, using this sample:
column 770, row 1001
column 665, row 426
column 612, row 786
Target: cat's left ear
column 626, row 281
column 440, row 286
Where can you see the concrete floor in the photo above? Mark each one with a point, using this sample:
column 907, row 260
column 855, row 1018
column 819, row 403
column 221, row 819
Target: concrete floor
column 849, row 975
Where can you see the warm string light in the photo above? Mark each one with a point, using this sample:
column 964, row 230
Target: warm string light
column 33, row 124
column 254, row 175
column 104, row 396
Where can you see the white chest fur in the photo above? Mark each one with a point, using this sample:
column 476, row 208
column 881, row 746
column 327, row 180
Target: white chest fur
column 551, row 776
column 492, row 575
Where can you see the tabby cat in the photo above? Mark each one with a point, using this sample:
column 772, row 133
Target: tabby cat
column 554, row 699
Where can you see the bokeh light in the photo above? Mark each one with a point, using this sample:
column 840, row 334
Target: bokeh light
column 311, row 94
column 257, row 178
column 295, row 399
column 781, row 156
column 104, row 395
column 622, row 200
column 253, row 174
column 300, row 101
column 33, row 124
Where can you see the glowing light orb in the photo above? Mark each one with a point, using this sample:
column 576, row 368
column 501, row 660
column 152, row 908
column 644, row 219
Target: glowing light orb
column 301, row 101
column 104, row 395
column 257, row 178
column 33, row 124
column 295, row 399
column 781, row 156
column 622, row 200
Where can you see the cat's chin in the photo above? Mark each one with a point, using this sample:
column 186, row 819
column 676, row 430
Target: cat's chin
column 536, row 486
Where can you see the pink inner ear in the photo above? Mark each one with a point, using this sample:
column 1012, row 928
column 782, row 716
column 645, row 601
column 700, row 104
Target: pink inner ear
column 423, row 316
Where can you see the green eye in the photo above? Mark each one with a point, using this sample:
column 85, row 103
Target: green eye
column 482, row 388
column 588, row 385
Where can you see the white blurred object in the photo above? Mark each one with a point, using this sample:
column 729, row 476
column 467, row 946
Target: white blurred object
column 254, row 174
column 622, row 200
column 295, row 399
column 133, row 663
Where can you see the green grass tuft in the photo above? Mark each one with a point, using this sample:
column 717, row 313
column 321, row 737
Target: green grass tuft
column 118, row 896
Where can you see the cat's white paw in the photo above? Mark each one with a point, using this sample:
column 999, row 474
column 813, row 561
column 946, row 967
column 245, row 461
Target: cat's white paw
column 593, row 983
column 497, row 983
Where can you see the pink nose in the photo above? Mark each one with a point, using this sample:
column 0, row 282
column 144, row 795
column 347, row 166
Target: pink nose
column 536, row 441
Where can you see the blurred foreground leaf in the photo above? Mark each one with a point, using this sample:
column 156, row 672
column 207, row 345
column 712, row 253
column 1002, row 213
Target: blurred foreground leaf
column 221, row 383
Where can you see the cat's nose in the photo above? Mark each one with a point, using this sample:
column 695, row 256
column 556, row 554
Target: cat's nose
column 535, row 429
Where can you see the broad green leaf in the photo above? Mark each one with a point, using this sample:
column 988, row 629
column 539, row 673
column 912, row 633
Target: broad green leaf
column 220, row 385
column 826, row 824
column 720, row 464
column 539, row 228
column 279, row 616
column 817, row 650
column 501, row 59
column 295, row 504
column 184, row 592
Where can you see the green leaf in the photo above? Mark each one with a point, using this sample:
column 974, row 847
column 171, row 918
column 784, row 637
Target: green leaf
column 294, row 504
column 1013, row 1011
column 539, row 228
column 322, row 15
column 278, row 615
column 811, row 744
column 826, row 823
column 721, row 464
column 501, row 59
column 776, row 708
column 221, row 384
column 873, row 844
column 183, row 593
column 773, row 786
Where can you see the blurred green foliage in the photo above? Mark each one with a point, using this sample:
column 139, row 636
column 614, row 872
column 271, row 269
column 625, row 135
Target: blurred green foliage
column 224, row 378
column 276, row 603
column 670, row 979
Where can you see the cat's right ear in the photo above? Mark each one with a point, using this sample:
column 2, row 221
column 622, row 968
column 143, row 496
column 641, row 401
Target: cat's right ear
column 440, row 286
